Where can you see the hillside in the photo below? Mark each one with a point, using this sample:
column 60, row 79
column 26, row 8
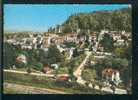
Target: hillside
column 95, row 21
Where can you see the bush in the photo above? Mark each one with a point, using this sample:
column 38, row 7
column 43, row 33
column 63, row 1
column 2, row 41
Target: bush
column 20, row 65
column 38, row 66
column 65, row 84
column 63, row 70
column 89, row 74
column 70, row 44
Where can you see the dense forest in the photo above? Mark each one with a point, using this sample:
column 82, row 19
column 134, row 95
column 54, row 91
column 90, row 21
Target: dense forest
column 116, row 20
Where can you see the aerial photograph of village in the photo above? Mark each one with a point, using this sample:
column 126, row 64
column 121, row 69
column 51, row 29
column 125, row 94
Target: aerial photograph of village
column 67, row 49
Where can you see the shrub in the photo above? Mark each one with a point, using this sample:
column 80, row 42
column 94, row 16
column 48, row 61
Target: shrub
column 38, row 66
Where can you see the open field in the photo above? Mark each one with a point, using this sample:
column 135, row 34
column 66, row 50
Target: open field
column 22, row 89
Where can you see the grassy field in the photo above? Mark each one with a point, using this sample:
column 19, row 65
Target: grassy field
column 44, row 82
column 12, row 91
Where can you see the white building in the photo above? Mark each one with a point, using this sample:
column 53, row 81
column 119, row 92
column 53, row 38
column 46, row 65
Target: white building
column 110, row 74
column 22, row 58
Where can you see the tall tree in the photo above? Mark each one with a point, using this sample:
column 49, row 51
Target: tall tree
column 9, row 54
column 53, row 55
column 107, row 43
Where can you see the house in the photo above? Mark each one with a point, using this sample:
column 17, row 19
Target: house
column 59, row 40
column 70, row 37
column 110, row 74
column 46, row 69
column 11, row 41
column 119, row 42
column 26, row 47
column 46, row 42
column 116, row 37
column 21, row 58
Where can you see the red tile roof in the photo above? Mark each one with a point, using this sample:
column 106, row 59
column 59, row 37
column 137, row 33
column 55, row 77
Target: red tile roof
column 109, row 72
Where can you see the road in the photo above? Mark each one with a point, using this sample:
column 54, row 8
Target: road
column 30, row 89
column 36, row 74
column 107, row 89
column 77, row 73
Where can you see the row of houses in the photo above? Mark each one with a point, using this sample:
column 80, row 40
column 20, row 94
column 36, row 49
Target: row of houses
column 44, row 40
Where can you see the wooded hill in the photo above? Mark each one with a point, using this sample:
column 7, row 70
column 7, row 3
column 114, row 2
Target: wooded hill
column 116, row 20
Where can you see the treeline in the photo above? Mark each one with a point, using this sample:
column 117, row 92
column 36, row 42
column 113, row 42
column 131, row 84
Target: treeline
column 116, row 20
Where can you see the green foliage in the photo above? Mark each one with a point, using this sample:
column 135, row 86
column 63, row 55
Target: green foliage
column 9, row 55
column 20, row 65
column 70, row 44
column 115, row 63
column 44, row 82
column 29, row 70
column 124, row 52
column 107, row 43
column 114, row 20
column 120, row 52
column 37, row 66
column 71, row 67
column 63, row 70
column 122, row 64
column 53, row 55
column 67, row 29
column 128, row 51
column 89, row 74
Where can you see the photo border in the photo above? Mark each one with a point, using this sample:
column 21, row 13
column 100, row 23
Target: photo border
column 133, row 96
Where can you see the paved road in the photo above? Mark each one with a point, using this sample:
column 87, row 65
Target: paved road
column 36, row 74
column 22, row 89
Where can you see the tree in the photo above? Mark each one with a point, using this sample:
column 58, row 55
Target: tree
column 50, row 30
column 124, row 63
column 107, row 43
column 52, row 56
column 75, row 52
column 100, row 20
column 9, row 55
column 71, row 69
column 67, row 29
column 38, row 66
column 29, row 70
column 128, row 51
column 120, row 52
column 89, row 74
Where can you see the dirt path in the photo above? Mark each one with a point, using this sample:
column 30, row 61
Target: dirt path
column 30, row 89
column 77, row 73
